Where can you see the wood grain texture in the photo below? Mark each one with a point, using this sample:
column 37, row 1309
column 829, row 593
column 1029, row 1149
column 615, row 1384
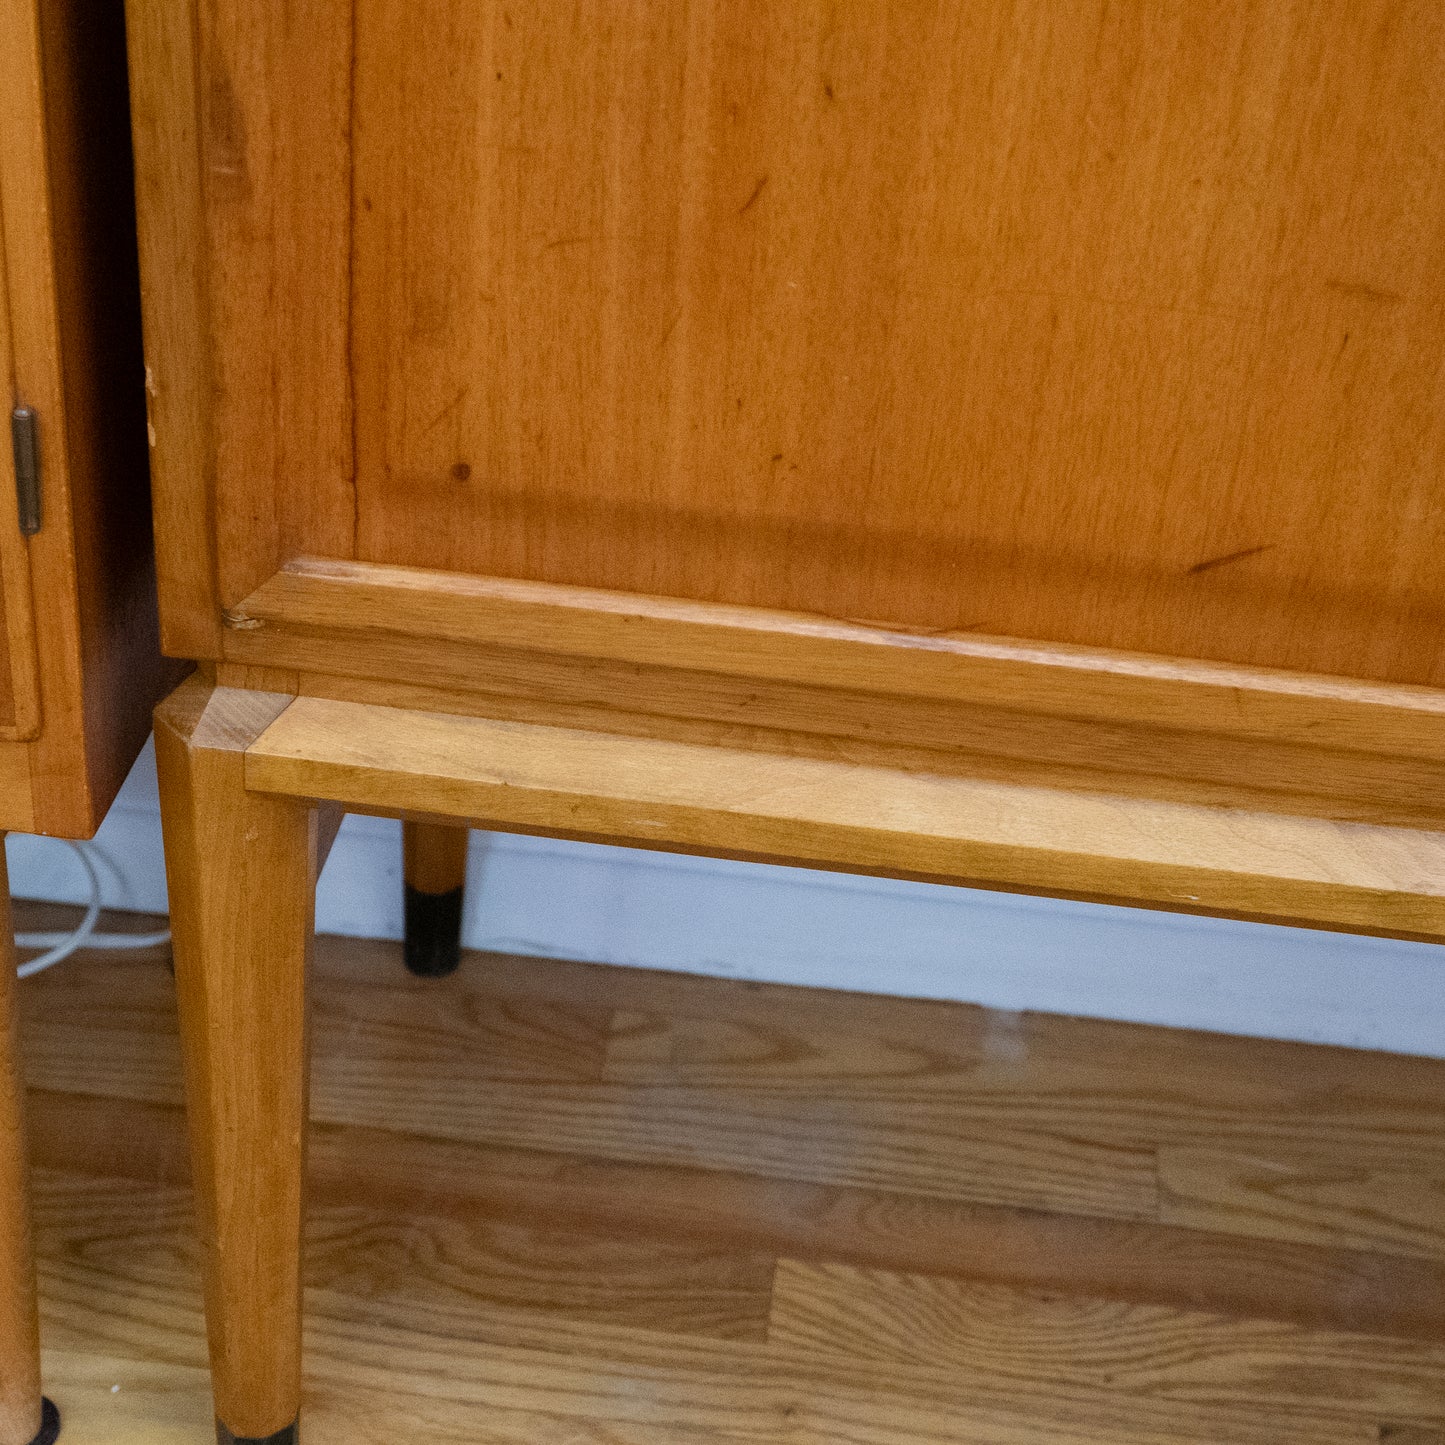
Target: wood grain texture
column 17, row 693
column 180, row 373
column 845, row 724
column 97, row 536
column 1319, row 1286
column 1066, row 716
column 262, row 679
column 356, row 602
column 880, row 1320
column 411, row 1319
column 31, row 358
column 18, row 631
column 84, row 653
column 640, row 1066
column 523, row 1090
column 434, row 859
column 519, row 1269
column 994, row 1056
column 803, row 810
column 242, row 876
column 273, row 112
column 137, row 1228
column 1306, row 1197
column 470, row 1292
column 1110, row 328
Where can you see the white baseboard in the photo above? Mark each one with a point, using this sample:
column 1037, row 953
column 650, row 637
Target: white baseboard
column 755, row 921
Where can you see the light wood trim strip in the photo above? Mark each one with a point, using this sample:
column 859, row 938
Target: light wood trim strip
column 349, row 599
column 661, row 794
column 27, row 280
column 15, row 585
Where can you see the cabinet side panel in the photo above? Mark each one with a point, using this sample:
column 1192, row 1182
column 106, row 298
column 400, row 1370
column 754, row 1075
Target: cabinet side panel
column 179, row 393
column 94, row 256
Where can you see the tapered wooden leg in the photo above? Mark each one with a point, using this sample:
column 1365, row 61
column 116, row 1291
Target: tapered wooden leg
column 20, row 1404
column 242, row 875
column 434, row 869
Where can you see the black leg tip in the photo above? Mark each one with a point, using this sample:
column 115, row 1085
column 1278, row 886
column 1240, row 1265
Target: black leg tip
column 291, row 1435
column 49, row 1424
column 433, row 946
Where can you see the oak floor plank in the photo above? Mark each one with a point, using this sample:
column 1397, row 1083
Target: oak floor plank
column 1003, row 1076
column 109, row 1026
column 1266, row 1072
column 548, row 1201
column 127, row 1399
column 360, row 1416
column 105, row 1023
column 414, row 1333
column 885, row 1319
column 1306, row 1199
column 459, row 1036
column 363, row 1075
column 1008, row 1109
column 1314, row 1285
column 642, row 1282
column 1269, row 1074
column 141, row 1232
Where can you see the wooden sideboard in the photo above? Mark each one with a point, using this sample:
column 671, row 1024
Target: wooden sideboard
column 994, row 443
column 80, row 663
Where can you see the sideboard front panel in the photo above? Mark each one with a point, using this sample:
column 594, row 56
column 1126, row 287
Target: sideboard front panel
column 1112, row 325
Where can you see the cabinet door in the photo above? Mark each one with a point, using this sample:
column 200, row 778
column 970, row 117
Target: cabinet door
column 1120, row 326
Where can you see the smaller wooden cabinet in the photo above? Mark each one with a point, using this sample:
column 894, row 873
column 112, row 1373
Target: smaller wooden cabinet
column 80, row 665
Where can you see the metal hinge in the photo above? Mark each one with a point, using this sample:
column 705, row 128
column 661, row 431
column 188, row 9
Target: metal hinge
column 23, row 437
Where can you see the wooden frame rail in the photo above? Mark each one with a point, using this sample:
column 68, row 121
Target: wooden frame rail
column 958, row 704
column 658, row 793
column 358, row 618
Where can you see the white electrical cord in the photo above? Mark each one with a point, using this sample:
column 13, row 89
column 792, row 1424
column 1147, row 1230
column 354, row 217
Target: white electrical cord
column 58, row 946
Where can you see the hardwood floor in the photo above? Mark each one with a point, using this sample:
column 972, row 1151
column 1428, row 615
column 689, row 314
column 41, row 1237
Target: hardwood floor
column 560, row 1204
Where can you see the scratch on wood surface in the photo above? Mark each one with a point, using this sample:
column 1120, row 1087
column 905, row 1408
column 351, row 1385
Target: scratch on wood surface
column 751, row 201
column 1224, row 561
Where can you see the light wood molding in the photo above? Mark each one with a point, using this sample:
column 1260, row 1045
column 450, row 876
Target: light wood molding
column 351, row 605
column 1060, row 717
column 661, row 794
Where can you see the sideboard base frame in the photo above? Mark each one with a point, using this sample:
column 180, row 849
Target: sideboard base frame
column 250, row 785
